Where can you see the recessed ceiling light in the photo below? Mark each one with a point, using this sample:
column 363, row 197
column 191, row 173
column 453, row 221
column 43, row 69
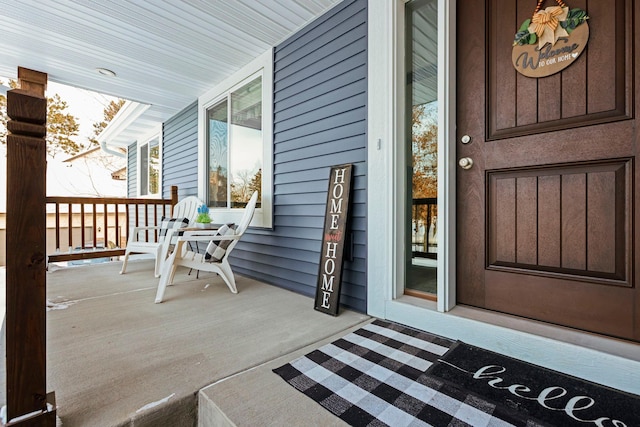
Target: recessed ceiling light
column 106, row 72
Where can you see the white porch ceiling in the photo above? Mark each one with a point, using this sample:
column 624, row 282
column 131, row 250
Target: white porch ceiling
column 165, row 52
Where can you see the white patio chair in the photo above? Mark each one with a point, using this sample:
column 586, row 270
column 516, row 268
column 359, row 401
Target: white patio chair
column 137, row 244
column 215, row 259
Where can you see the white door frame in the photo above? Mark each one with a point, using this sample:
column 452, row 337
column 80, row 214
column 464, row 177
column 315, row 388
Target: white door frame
column 387, row 154
column 602, row 360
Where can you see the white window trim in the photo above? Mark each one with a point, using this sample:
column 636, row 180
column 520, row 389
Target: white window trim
column 157, row 133
column 263, row 65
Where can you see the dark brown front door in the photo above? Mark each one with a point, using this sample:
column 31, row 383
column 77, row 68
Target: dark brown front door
column 548, row 213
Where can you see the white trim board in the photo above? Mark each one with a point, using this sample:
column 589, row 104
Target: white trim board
column 383, row 89
column 572, row 359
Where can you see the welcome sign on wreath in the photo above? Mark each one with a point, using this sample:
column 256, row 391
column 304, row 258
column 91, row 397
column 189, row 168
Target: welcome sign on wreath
column 550, row 41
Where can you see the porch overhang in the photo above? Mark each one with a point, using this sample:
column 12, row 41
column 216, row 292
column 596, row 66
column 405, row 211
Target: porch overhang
column 127, row 125
column 162, row 55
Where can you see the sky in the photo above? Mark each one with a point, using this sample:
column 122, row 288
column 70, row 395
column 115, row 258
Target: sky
column 85, row 105
column 88, row 108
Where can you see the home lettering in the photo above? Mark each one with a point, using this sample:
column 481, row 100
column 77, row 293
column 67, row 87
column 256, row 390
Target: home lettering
column 328, row 274
column 328, row 287
column 336, row 202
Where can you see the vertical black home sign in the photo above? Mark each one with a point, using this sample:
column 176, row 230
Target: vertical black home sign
column 331, row 254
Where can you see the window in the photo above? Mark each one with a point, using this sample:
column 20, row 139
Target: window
column 235, row 143
column 149, row 167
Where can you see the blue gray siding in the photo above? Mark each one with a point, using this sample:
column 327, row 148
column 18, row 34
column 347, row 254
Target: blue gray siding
column 132, row 170
column 320, row 95
column 180, row 153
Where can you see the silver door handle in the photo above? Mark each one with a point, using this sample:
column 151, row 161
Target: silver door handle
column 466, row 163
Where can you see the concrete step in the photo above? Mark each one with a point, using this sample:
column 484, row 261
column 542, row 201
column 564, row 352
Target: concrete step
column 260, row 397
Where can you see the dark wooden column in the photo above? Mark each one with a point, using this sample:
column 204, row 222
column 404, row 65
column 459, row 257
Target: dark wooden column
column 174, row 197
column 27, row 401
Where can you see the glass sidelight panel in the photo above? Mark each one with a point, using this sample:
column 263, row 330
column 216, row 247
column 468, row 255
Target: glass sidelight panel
column 422, row 138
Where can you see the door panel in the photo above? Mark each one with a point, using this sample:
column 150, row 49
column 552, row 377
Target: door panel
column 592, row 89
column 546, row 213
column 562, row 221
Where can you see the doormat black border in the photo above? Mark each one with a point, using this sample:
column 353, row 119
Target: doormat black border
column 597, row 401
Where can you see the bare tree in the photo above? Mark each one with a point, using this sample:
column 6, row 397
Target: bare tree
column 62, row 127
column 109, row 113
column 424, row 152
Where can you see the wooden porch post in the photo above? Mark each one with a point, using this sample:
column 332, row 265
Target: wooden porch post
column 174, row 197
column 27, row 401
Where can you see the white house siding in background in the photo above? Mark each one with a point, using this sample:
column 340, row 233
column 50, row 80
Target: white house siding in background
column 87, row 174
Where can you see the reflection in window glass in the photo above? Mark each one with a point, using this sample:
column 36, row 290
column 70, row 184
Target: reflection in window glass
column 154, row 167
column 150, row 168
column 217, row 130
column 422, row 131
column 235, row 147
column 144, row 167
column 245, row 161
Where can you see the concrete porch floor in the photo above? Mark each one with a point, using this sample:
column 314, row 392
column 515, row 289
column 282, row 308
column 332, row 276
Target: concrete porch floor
column 114, row 358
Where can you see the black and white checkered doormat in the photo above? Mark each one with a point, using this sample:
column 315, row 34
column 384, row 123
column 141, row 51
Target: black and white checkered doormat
column 375, row 376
